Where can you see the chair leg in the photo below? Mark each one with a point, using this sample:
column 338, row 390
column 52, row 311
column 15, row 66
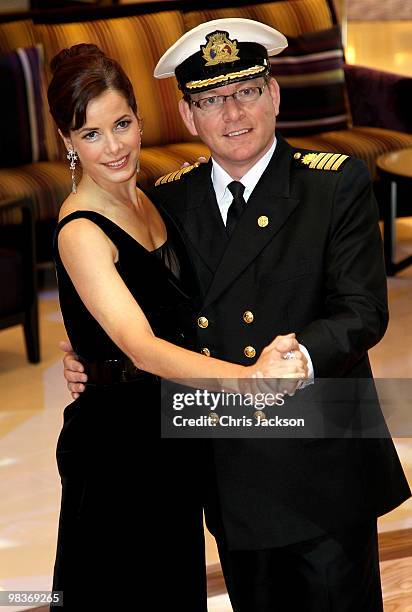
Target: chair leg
column 31, row 334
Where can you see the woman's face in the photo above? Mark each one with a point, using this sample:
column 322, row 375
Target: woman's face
column 108, row 144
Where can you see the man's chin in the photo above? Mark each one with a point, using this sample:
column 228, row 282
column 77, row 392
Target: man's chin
column 244, row 156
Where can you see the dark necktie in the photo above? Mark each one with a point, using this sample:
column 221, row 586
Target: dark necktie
column 237, row 206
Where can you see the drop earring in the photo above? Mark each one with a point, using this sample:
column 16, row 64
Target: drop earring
column 72, row 157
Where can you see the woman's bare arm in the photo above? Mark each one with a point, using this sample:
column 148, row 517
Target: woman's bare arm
column 88, row 257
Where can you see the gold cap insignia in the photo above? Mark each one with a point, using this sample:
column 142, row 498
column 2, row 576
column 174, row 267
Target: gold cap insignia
column 220, row 49
column 263, row 221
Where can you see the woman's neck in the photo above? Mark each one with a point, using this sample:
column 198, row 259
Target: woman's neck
column 110, row 194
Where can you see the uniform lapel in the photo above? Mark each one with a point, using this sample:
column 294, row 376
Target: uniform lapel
column 203, row 223
column 270, row 199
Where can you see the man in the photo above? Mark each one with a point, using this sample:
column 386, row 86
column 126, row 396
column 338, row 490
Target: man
column 283, row 241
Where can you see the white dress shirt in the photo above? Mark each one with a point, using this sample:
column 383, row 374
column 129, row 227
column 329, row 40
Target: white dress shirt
column 221, row 179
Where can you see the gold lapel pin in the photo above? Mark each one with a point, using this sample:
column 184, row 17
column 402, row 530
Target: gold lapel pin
column 263, row 221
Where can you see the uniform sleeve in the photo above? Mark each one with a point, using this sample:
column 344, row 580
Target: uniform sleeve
column 355, row 314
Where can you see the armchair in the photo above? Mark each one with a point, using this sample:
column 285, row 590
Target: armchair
column 18, row 294
column 378, row 98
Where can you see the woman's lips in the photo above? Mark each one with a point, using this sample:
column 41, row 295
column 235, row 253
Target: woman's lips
column 118, row 164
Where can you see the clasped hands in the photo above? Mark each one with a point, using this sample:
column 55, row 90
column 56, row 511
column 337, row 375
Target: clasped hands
column 281, row 368
column 272, row 372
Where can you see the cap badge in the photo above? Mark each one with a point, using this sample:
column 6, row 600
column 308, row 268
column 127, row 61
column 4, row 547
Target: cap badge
column 220, row 49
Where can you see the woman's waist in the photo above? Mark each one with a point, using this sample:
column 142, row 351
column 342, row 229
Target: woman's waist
column 114, row 371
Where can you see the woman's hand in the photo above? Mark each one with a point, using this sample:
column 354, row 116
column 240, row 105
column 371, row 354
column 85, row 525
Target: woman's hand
column 201, row 160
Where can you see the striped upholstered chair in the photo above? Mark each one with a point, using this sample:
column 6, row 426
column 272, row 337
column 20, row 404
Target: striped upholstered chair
column 314, row 101
column 136, row 42
column 18, row 288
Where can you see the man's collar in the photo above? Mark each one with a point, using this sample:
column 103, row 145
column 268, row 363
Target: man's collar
column 221, row 179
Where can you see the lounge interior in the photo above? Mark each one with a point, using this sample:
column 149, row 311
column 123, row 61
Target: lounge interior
column 375, row 36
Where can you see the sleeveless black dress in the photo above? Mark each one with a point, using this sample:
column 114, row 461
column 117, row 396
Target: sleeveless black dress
column 131, row 512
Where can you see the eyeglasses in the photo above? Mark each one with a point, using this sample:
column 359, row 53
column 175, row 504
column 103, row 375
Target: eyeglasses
column 243, row 96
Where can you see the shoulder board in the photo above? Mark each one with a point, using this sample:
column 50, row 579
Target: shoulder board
column 321, row 161
column 176, row 175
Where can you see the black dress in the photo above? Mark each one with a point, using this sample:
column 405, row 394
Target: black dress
column 131, row 516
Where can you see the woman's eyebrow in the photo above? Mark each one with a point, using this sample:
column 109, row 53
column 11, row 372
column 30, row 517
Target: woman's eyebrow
column 92, row 129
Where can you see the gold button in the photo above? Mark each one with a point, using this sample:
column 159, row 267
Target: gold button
column 202, row 322
column 214, row 418
column 259, row 414
column 205, row 351
column 263, row 221
column 250, row 352
column 297, row 155
column 248, row 316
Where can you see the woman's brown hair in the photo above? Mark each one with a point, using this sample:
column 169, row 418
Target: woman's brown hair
column 81, row 74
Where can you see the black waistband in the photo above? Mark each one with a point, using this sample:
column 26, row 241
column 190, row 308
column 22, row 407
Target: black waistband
column 112, row 371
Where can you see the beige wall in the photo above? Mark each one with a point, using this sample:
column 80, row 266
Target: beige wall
column 340, row 6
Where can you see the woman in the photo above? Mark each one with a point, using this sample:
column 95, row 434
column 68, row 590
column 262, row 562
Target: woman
column 125, row 286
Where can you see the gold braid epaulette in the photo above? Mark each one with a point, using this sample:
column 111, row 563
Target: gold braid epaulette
column 321, row 161
column 176, row 175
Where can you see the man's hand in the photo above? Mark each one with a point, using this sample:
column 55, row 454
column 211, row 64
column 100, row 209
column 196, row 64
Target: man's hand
column 283, row 362
column 282, row 346
column 73, row 370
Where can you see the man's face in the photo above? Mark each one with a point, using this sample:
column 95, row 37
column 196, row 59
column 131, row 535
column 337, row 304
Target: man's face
column 237, row 134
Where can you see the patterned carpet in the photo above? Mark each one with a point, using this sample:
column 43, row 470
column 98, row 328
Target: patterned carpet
column 374, row 10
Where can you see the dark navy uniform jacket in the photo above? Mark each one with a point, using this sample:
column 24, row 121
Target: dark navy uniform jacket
column 305, row 257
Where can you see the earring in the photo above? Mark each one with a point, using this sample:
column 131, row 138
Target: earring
column 72, row 157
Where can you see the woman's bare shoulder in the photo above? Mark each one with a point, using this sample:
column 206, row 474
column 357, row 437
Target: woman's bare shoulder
column 78, row 228
column 75, row 203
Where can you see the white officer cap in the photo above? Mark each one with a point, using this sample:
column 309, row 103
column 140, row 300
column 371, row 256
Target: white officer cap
column 219, row 52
